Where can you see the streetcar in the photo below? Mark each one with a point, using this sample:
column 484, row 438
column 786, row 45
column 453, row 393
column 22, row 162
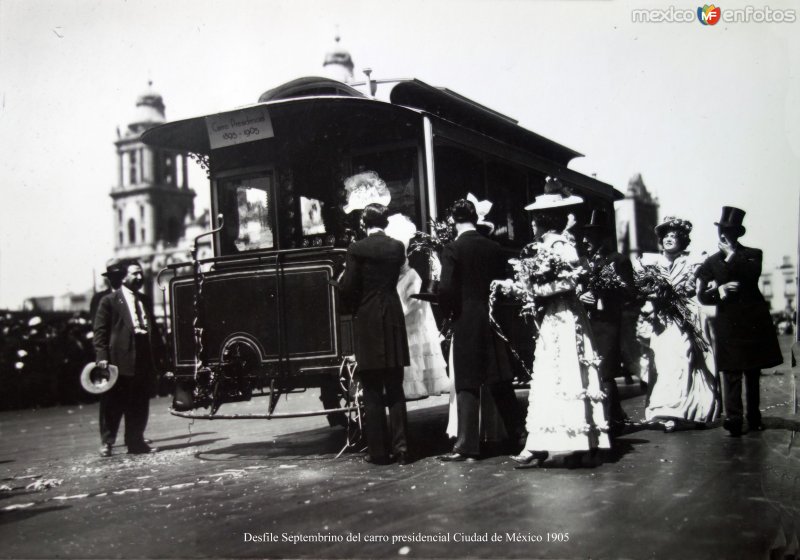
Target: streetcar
column 263, row 315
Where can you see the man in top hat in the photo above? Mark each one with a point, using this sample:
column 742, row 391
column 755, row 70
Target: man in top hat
column 605, row 308
column 469, row 264
column 126, row 335
column 745, row 339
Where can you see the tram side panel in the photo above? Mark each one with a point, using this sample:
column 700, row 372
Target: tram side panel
column 290, row 318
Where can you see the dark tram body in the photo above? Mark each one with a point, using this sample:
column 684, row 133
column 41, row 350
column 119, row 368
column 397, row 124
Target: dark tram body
column 264, row 312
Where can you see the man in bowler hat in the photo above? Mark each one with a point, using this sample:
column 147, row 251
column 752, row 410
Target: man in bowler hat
column 126, row 335
column 745, row 339
column 113, row 278
column 369, row 285
column 605, row 308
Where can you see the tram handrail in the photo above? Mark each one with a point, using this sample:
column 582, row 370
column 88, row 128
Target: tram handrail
column 254, row 258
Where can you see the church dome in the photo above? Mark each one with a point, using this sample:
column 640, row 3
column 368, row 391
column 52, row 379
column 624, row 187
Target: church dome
column 338, row 63
column 149, row 110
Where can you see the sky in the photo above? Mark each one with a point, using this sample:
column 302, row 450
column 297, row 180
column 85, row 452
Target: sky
column 709, row 115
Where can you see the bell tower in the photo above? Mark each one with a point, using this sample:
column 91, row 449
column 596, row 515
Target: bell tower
column 152, row 199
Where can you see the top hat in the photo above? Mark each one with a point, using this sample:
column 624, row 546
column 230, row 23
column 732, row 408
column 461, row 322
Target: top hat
column 732, row 217
column 671, row 223
column 597, row 221
column 555, row 195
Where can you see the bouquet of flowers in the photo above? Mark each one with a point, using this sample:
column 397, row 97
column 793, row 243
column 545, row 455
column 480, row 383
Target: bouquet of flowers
column 432, row 243
column 599, row 280
column 539, row 273
column 441, row 234
column 670, row 303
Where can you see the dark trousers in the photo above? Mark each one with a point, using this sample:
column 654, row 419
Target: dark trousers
column 384, row 388
column 732, row 396
column 468, row 404
column 129, row 397
column 608, row 344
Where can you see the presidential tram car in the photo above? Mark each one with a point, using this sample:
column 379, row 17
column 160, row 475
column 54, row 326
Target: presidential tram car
column 263, row 316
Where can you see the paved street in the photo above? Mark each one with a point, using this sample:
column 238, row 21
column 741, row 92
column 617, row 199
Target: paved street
column 276, row 489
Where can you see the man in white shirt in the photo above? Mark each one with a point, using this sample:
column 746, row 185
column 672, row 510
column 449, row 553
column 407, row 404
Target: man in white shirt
column 126, row 336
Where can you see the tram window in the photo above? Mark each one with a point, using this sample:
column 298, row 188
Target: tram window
column 246, row 205
column 506, row 188
column 458, row 173
column 397, row 168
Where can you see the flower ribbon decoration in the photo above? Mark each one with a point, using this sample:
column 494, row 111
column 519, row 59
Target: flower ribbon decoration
column 482, row 208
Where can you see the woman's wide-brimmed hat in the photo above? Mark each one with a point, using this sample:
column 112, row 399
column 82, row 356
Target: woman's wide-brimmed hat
column 672, row 223
column 732, row 217
column 556, row 195
column 96, row 380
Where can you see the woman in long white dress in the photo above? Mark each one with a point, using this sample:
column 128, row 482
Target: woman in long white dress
column 565, row 402
column 684, row 393
column 427, row 373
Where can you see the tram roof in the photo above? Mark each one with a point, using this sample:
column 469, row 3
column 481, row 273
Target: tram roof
column 410, row 94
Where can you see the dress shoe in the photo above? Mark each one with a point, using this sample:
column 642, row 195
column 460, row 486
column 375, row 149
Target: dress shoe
column 403, row 458
column 756, row 427
column 530, row 458
column 105, row 451
column 734, row 427
column 141, row 449
column 374, row 460
column 456, row 457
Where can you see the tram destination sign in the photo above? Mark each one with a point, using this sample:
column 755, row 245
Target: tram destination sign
column 238, row 127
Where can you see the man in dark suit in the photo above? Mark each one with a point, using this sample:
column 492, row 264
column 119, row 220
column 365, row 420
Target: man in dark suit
column 745, row 339
column 369, row 285
column 605, row 308
column 469, row 264
column 126, row 335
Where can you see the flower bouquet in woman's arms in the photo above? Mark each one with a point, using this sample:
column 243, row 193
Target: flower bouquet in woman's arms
column 670, row 303
column 544, row 272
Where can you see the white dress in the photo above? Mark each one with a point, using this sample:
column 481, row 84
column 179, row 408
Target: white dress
column 684, row 388
column 427, row 373
column 565, row 402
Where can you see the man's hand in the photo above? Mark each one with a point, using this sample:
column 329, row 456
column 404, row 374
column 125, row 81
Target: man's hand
column 726, row 246
column 728, row 288
column 102, row 364
column 588, row 298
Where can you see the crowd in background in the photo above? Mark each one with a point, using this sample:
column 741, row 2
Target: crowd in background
column 41, row 358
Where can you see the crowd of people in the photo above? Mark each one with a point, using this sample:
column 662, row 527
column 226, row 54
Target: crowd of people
column 572, row 284
column 41, row 357
column 576, row 288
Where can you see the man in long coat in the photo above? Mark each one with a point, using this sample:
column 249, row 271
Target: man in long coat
column 126, row 335
column 369, row 285
column 469, row 264
column 605, row 308
column 745, row 339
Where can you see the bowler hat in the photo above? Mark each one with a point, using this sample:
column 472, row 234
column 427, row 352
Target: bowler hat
column 113, row 268
column 96, row 380
column 732, row 217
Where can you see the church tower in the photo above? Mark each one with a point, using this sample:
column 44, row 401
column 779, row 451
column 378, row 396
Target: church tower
column 152, row 199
